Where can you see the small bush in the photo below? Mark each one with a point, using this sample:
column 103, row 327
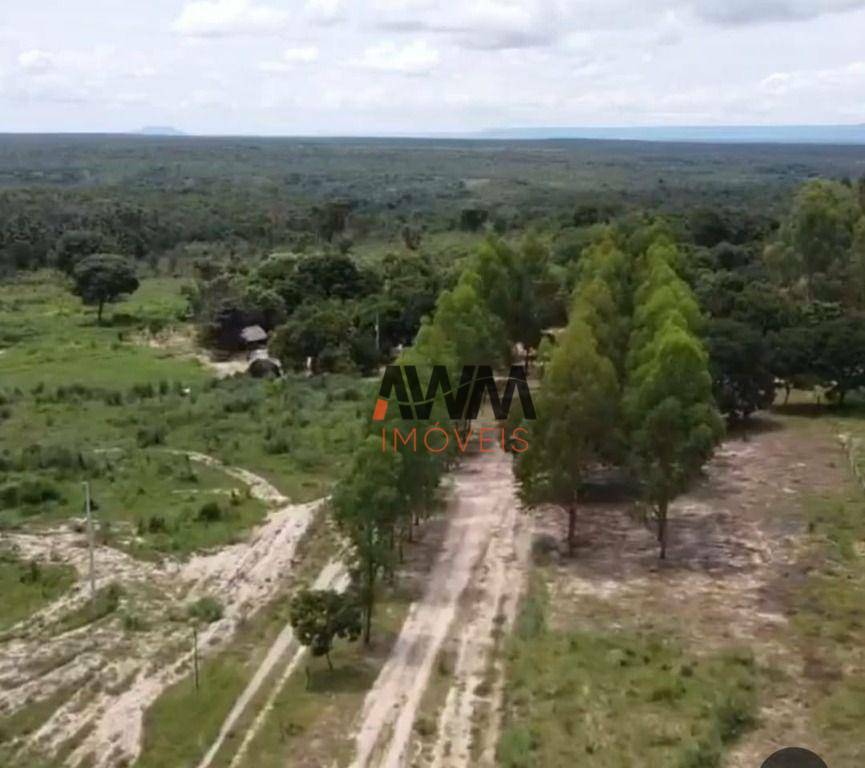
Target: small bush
column 277, row 444
column 156, row 524
column 207, row 610
column 133, row 622
column 209, row 512
column 28, row 491
column 515, row 748
column 149, row 436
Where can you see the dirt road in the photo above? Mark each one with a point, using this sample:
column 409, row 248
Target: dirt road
column 333, row 576
column 473, row 588
column 108, row 697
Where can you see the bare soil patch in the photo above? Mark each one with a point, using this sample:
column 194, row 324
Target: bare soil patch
column 738, row 553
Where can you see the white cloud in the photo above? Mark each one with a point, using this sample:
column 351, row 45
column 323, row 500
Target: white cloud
column 736, row 12
column 290, row 58
column 223, row 18
column 484, row 63
column 416, row 58
column 480, row 24
column 781, row 83
column 324, row 11
column 670, row 31
column 35, row 61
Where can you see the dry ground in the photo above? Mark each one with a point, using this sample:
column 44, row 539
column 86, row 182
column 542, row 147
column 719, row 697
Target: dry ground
column 739, row 551
column 111, row 676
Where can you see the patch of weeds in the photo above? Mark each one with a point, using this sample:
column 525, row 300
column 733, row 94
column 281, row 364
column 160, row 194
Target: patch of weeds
column 206, row 610
column 105, row 603
column 570, row 694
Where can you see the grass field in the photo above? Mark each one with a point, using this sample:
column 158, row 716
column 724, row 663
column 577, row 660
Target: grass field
column 48, row 338
column 28, row 586
column 82, row 402
column 618, row 698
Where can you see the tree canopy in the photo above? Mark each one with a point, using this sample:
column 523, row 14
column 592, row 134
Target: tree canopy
column 103, row 278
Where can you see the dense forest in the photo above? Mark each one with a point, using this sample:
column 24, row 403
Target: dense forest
column 340, row 247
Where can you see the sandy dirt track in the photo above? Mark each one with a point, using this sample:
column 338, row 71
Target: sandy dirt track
column 108, row 697
column 333, row 576
column 474, row 584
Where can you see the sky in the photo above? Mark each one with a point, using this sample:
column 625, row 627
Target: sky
column 364, row 67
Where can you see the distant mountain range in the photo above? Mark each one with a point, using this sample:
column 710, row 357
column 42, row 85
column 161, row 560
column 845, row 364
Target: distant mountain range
column 772, row 134
column 715, row 134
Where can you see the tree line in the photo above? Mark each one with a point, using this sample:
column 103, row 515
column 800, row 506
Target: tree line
column 626, row 382
column 494, row 302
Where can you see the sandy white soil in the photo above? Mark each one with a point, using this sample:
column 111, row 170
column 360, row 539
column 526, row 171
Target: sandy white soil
column 474, row 584
column 113, row 676
column 333, row 576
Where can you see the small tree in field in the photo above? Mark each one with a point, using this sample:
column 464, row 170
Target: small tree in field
column 674, row 422
column 576, row 424
column 103, row 278
column 367, row 506
column 319, row 616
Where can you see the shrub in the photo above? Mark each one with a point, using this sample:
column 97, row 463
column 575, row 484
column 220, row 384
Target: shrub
column 133, row 622
column 31, row 573
column 206, row 609
column 156, row 524
column 148, row 436
column 515, row 748
column 30, row 491
column 277, row 444
column 209, row 512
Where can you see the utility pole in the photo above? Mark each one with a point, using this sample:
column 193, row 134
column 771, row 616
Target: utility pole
column 90, row 544
column 195, row 653
column 377, row 333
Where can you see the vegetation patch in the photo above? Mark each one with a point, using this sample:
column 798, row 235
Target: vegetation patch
column 29, row 585
column 619, row 699
column 830, row 628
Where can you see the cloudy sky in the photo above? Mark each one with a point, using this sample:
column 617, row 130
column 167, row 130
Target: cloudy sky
column 418, row 66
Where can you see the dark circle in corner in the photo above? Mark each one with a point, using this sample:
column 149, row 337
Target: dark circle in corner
column 793, row 757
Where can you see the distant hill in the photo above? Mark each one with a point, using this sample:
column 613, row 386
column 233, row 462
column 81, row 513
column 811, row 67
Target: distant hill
column 160, row 130
column 771, row 134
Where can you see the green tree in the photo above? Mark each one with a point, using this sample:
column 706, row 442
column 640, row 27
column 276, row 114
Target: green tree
column 820, row 226
column 316, row 331
column 367, row 505
column 103, row 278
column 477, row 334
column 857, row 264
column 674, row 424
column 839, row 356
column 792, row 353
column 76, row 244
column 510, row 282
column 319, row 616
column 742, row 379
column 671, row 414
column 576, row 425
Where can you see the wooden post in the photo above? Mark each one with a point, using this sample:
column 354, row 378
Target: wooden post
column 195, row 654
column 90, row 544
column 377, row 333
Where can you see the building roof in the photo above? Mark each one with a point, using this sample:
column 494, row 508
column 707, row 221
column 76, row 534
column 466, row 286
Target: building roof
column 253, row 333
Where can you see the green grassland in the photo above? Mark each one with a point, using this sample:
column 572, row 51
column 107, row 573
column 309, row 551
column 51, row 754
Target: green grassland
column 83, row 402
column 144, row 500
column 48, row 338
column 829, row 624
column 618, row 698
column 27, row 587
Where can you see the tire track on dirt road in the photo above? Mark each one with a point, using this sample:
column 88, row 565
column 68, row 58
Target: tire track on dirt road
column 111, row 709
column 480, row 559
column 333, row 576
